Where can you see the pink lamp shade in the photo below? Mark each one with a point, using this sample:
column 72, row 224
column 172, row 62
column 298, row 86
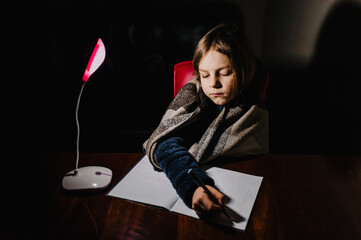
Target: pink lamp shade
column 95, row 60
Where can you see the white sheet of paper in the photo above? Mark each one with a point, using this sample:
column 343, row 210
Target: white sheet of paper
column 145, row 185
column 241, row 190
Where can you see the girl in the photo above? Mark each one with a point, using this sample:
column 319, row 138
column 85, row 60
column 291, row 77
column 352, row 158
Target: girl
column 214, row 115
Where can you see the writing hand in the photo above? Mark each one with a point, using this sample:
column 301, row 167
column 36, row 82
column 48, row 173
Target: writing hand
column 203, row 205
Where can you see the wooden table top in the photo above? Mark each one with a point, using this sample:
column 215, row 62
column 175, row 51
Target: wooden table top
column 301, row 197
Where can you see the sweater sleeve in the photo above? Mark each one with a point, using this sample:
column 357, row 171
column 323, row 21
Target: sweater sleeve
column 175, row 161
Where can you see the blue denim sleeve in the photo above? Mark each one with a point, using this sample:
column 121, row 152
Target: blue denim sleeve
column 175, row 160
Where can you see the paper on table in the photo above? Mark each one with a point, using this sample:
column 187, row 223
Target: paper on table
column 145, row 185
column 241, row 190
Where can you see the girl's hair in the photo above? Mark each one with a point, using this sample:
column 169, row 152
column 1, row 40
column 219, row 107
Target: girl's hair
column 229, row 40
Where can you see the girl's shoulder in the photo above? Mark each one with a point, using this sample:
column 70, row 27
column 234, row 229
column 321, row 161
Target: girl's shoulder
column 187, row 97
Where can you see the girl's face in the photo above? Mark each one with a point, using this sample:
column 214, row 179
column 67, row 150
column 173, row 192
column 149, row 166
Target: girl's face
column 217, row 77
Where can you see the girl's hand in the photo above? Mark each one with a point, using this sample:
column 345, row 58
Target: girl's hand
column 203, row 205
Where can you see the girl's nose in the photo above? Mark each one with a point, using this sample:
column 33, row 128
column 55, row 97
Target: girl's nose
column 214, row 82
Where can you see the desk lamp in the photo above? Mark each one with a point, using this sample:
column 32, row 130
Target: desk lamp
column 90, row 177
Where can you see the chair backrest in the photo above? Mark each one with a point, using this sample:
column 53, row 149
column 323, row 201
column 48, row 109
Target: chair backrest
column 184, row 72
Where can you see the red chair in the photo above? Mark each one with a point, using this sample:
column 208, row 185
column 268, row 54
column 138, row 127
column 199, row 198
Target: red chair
column 184, row 72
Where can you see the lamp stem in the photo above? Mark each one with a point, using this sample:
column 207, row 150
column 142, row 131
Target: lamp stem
column 78, row 126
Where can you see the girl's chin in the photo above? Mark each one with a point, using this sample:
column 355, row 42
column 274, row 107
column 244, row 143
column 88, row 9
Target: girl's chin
column 219, row 101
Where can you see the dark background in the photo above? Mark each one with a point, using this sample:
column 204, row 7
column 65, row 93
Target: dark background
column 312, row 51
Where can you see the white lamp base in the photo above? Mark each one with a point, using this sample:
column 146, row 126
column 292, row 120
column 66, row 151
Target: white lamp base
column 87, row 178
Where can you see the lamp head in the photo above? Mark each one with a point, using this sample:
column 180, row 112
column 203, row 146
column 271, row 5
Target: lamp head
column 95, row 60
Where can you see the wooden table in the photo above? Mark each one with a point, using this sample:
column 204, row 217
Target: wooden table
column 301, row 197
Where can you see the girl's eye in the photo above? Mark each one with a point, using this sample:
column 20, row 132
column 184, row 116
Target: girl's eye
column 226, row 73
column 205, row 76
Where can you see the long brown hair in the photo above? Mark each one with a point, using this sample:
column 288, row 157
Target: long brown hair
column 229, row 40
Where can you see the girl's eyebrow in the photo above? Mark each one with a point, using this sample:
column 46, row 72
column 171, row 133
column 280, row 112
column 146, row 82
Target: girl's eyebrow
column 218, row 69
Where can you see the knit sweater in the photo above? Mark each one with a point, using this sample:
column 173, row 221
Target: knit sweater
column 175, row 160
column 241, row 128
